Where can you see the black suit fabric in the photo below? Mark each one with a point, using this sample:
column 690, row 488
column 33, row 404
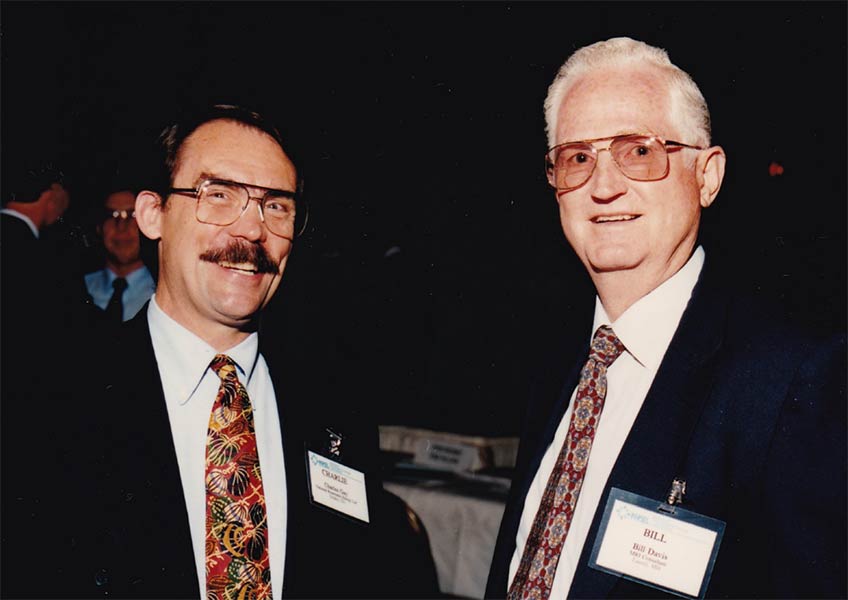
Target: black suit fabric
column 752, row 415
column 122, row 515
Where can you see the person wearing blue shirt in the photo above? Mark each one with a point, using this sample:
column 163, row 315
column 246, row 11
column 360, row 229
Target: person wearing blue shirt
column 125, row 284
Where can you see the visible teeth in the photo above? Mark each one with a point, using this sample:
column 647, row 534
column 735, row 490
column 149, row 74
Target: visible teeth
column 613, row 218
column 238, row 266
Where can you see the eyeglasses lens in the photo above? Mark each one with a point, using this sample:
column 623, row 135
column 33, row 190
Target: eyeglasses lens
column 222, row 203
column 119, row 215
column 640, row 158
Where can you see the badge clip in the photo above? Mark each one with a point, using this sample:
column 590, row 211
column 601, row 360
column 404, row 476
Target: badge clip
column 335, row 445
column 675, row 496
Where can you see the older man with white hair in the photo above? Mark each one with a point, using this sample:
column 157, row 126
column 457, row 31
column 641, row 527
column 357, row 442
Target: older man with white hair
column 699, row 450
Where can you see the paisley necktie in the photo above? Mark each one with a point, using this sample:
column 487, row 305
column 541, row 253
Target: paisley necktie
column 535, row 575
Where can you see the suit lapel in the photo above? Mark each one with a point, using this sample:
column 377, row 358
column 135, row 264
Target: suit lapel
column 549, row 398
column 146, row 488
column 655, row 449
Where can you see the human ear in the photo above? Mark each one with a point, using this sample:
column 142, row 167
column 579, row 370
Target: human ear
column 709, row 171
column 148, row 214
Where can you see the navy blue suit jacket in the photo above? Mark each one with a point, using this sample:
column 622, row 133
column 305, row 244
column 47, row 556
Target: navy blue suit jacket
column 752, row 415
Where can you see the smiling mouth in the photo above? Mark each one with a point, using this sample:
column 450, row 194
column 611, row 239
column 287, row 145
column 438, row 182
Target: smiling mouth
column 614, row 218
column 244, row 268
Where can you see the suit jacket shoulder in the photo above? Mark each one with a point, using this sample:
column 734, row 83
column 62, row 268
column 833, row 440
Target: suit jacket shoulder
column 734, row 410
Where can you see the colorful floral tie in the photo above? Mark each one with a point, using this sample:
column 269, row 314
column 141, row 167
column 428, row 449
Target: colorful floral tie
column 535, row 575
column 237, row 565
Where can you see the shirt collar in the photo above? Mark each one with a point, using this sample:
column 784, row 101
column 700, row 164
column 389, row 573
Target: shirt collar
column 187, row 357
column 12, row 212
column 132, row 278
column 646, row 328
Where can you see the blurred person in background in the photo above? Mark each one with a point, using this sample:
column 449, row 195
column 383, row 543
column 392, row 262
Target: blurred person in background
column 124, row 284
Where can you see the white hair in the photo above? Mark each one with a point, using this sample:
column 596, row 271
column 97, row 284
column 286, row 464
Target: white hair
column 688, row 107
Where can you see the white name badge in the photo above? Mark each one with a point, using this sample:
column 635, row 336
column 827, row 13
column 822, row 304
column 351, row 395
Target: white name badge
column 656, row 544
column 337, row 486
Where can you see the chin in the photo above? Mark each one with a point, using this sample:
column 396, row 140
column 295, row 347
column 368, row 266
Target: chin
column 610, row 261
column 239, row 311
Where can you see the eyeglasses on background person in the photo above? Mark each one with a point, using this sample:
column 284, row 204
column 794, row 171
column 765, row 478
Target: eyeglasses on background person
column 118, row 215
column 222, row 202
column 638, row 156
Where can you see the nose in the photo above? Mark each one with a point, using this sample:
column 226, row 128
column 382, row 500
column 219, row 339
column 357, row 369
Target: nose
column 251, row 224
column 607, row 182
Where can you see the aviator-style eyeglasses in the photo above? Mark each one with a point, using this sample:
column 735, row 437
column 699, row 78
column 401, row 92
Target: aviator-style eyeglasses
column 639, row 157
column 222, row 202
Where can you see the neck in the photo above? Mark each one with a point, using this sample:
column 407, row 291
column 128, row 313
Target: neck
column 220, row 336
column 223, row 339
column 619, row 290
column 33, row 210
column 123, row 269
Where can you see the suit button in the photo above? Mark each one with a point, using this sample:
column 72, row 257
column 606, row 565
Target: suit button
column 101, row 577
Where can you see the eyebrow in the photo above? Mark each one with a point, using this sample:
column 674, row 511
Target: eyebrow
column 207, row 175
column 621, row 132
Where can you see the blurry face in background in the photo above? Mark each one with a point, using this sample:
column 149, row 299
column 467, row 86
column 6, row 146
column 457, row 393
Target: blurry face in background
column 120, row 236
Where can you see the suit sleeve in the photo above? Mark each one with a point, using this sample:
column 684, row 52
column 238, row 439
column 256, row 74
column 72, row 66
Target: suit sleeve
column 805, row 481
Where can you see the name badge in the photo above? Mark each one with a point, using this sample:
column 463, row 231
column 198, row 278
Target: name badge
column 336, row 486
column 657, row 544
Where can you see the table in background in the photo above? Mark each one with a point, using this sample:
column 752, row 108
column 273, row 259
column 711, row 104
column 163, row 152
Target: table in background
column 462, row 529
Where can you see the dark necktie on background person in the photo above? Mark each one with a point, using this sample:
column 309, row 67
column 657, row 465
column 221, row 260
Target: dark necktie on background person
column 237, row 564
column 535, row 575
column 115, row 308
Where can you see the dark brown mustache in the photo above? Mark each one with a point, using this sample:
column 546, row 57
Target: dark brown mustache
column 243, row 252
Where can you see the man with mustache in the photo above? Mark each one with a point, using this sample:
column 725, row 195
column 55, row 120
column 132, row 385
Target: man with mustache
column 218, row 471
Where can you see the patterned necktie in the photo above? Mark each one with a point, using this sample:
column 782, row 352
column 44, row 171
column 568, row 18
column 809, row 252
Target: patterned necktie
column 237, row 563
column 535, row 575
column 115, row 308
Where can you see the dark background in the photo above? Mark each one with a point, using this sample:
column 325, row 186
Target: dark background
column 420, row 130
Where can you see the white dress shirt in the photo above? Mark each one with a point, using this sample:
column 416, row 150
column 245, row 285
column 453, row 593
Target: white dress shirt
column 190, row 388
column 13, row 213
column 140, row 286
column 645, row 329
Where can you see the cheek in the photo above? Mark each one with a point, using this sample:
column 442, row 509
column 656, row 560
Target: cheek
column 279, row 251
column 570, row 219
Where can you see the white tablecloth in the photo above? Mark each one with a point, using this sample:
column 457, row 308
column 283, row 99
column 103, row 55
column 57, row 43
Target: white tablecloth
column 462, row 531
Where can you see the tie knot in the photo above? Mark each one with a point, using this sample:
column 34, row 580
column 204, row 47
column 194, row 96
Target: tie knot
column 224, row 366
column 119, row 284
column 606, row 347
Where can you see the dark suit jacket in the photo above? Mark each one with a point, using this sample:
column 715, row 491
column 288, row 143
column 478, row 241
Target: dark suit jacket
column 752, row 416
column 121, row 511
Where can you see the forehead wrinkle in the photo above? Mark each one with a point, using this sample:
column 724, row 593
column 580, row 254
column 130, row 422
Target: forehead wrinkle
column 642, row 130
column 645, row 83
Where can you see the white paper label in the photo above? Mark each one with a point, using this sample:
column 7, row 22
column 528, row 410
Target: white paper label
column 653, row 547
column 445, row 456
column 338, row 487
